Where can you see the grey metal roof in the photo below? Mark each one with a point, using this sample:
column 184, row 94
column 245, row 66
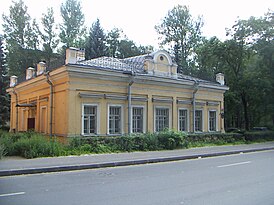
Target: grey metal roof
column 128, row 64
column 134, row 64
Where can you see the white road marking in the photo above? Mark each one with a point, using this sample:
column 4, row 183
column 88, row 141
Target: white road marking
column 235, row 164
column 12, row 194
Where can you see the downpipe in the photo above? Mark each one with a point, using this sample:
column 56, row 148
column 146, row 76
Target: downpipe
column 17, row 110
column 51, row 104
column 129, row 107
column 196, row 87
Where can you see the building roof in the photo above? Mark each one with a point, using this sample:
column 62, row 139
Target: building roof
column 135, row 65
column 132, row 64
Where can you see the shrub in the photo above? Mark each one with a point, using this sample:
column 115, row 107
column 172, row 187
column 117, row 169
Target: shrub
column 259, row 136
column 170, row 139
column 151, row 142
column 37, row 146
column 197, row 140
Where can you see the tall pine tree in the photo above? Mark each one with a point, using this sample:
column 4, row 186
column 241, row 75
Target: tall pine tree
column 95, row 43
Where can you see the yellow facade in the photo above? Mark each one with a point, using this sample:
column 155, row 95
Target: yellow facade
column 89, row 100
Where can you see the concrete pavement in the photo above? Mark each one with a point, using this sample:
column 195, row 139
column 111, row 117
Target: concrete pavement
column 9, row 167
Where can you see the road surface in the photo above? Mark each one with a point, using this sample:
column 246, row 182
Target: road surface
column 244, row 179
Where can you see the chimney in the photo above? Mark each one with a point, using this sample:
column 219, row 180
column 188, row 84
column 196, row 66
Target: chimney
column 30, row 73
column 13, row 81
column 220, row 78
column 41, row 68
column 74, row 55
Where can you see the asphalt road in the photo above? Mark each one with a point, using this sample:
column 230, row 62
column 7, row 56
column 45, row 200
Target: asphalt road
column 245, row 179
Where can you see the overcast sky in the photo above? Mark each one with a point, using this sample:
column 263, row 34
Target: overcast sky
column 137, row 18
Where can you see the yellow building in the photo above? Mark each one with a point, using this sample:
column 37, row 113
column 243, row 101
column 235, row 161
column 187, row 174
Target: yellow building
column 99, row 96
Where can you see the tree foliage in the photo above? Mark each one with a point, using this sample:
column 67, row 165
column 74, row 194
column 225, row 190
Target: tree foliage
column 72, row 27
column 21, row 37
column 249, row 71
column 49, row 35
column 120, row 46
column 4, row 98
column 96, row 41
column 182, row 34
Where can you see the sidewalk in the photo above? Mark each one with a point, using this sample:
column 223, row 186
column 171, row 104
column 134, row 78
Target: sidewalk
column 9, row 167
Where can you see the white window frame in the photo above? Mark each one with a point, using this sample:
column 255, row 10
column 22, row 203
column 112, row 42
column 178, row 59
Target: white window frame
column 122, row 118
column 144, row 117
column 216, row 120
column 169, row 116
column 187, row 119
column 97, row 118
column 202, row 123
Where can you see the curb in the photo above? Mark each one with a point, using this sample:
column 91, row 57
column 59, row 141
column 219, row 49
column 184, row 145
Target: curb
column 40, row 170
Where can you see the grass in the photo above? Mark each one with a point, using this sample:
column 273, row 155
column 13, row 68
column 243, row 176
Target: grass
column 32, row 145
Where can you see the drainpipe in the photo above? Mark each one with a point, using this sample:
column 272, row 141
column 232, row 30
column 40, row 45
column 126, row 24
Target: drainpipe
column 196, row 87
column 129, row 106
column 51, row 104
column 17, row 110
column 131, row 81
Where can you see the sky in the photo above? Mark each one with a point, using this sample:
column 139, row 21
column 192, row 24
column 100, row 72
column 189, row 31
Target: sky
column 137, row 18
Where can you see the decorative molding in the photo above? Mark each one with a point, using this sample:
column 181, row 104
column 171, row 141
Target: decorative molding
column 90, row 95
column 140, row 99
column 185, row 102
column 164, row 100
column 115, row 97
column 201, row 103
column 212, row 103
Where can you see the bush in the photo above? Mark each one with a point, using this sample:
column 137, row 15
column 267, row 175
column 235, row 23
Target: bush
column 259, row 136
column 32, row 145
column 197, row 140
column 37, row 146
column 170, row 139
column 29, row 145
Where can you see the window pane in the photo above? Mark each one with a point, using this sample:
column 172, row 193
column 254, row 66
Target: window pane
column 183, row 120
column 114, row 120
column 90, row 119
column 198, row 120
column 212, row 120
column 137, row 119
column 161, row 119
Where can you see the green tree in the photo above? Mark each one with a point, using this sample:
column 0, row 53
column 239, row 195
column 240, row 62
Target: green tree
column 113, row 41
column 182, row 34
column 96, row 41
column 208, row 59
column 21, row 38
column 72, row 28
column 127, row 48
column 248, row 64
column 4, row 98
column 48, row 35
